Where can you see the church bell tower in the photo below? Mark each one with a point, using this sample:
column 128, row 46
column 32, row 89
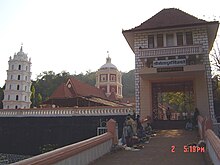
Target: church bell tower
column 17, row 89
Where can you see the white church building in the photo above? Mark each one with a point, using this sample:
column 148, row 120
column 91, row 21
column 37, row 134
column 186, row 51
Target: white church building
column 17, row 90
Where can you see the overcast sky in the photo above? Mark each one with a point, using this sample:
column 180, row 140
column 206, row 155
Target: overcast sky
column 75, row 35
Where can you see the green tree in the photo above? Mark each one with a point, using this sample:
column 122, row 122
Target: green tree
column 33, row 101
column 48, row 81
column 89, row 77
column 128, row 84
column 39, row 100
column 180, row 101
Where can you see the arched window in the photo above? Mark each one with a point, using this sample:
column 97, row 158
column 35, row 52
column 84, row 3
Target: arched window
column 8, row 97
column 17, row 97
column 26, row 67
column 10, row 86
column 18, row 87
column 25, row 78
column 16, row 107
column 25, row 98
column 19, row 67
column 12, row 67
column 19, row 77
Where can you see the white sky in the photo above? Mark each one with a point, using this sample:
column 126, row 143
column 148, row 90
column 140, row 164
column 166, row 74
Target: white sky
column 75, row 35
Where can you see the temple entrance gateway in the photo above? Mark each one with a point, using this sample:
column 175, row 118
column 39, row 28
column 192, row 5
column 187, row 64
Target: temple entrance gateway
column 176, row 52
column 178, row 97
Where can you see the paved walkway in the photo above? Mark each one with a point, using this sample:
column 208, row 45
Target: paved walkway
column 158, row 151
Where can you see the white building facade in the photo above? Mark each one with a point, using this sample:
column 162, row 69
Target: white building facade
column 17, row 91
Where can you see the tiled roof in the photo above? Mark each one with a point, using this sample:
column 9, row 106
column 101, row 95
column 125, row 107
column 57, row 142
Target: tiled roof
column 128, row 100
column 104, row 101
column 61, row 92
column 83, row 89
column 168, row 18
column 78, row 88
column 112, row 96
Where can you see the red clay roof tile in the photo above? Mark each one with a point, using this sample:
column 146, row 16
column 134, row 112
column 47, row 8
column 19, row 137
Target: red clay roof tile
column 112, row 97
column 83, row 89
column 61, row 92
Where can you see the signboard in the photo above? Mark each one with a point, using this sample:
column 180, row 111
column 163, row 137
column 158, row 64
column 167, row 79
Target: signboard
column 169, row 63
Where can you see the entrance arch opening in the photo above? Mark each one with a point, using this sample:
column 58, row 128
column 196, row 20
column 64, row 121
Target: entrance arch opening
column 172, row 98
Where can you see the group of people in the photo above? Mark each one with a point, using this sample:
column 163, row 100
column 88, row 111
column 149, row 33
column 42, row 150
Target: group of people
column 135, row 131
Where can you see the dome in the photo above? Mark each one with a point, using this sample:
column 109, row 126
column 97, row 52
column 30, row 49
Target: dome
column 21, row 55
column 108, row 64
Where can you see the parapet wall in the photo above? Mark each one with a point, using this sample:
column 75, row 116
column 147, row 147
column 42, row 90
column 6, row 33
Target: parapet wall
column 80, row 153
column 211, row 139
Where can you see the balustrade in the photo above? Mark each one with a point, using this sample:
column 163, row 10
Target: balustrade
column 211, row 138
column 171, row 51
column 67, row 111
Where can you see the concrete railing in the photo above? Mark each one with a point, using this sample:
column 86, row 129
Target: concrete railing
column 81, row 153
column 212, row 141
column 65, row 111
column 216, row 129
column 171, row 51
column 201, row 126
column 213, row 146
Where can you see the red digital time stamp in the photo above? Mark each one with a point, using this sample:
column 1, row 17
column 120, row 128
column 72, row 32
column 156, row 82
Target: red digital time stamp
column 193, row 149
column 190, row 149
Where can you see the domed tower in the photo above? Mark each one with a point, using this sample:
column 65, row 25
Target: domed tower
column 108, row 78
column 17, row 90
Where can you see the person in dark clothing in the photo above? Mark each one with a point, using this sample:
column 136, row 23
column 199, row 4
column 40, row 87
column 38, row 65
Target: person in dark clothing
column 189, row 125
column 140, row 131
column 138, row 122
column 195, row 117
column 168, row 113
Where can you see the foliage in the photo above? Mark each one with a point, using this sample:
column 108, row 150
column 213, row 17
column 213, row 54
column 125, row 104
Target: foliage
column 45, row 84
column 1, row 97
column 39, row 100
column 215, row 63
column 33, row 99
column 180, row 101
column 128, row 84
column 215, row 60
column 47, row 81
column 89, row 77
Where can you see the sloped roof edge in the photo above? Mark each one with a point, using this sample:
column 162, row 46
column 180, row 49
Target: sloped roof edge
column 162, row 20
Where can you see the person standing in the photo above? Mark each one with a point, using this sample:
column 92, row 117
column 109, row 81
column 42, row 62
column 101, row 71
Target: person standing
column 128, row 131
column 195, row 117
column 168, row 113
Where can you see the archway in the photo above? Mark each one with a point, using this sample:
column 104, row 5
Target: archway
column 178, row 96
